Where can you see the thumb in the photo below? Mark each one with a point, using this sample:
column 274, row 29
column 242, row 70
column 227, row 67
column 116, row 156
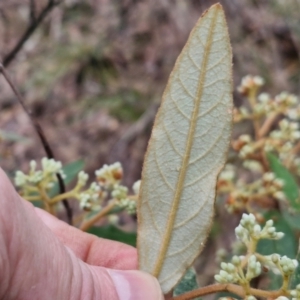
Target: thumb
column 128, row 285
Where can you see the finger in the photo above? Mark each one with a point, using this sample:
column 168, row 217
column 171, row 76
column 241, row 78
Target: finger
column 128, row 285
column 89, row 248
column 34, row 264
column 55, row 271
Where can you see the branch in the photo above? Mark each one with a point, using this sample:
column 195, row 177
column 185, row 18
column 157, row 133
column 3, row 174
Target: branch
column 231, row 288
column 265, row 128
column 103, row 212
column 42, row 137
column 33, row 25
column 32, row 9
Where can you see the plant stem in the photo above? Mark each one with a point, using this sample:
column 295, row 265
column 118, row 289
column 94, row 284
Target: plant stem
column 294, row 151
column 90, row 222
column 231, row 288
column 61, row 197
column 39, row 132
column 266, row 126
column 30, row 188
column 45, row 198
column 35, row 22
column 252, row 246
column 252, row 101
column 32, row 198
column 285, row 283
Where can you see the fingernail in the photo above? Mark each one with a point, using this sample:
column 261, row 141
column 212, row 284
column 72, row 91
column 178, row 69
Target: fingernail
column 136, row 285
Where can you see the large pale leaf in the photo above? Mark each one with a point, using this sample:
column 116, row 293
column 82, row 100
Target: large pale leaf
column 186, row 152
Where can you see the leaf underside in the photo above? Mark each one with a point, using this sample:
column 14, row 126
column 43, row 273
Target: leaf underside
column 186, row 152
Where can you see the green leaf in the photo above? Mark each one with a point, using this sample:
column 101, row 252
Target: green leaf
column 275, row 281
column 13, row 137
column 37, row 203
column 187, row 283
column 111, row 232
column 295, row 280
column 285, row 246
column 293, row 219
column 290, row 187
column 71, row 170
column 187, row 149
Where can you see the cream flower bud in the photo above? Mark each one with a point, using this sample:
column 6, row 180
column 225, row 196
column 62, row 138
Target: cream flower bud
column 282, row 298
column 136, row 187
column 264, row 97
column 259, row 81
column 82, row 178
column 236, row 260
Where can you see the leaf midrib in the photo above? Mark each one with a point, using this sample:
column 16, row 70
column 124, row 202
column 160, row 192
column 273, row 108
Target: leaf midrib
column 166, row 238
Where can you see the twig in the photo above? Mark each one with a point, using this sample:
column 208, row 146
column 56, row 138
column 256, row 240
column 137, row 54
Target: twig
column 265, row 128
column 32, row 9
column 29, row 31
column 42, row 137
column 89, row 223
column 294, row 151
column 231, row 288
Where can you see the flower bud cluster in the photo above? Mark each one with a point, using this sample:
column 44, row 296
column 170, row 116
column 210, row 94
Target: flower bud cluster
column 263, row 106
column 82, row 178
column 249, row 230
column 108, row 183
column 244, row 145
column 284, row 103
column 263, row 111
column 91, row 198
column 253, row 268
column 232, row 272
column 273, row 186
column 245, row 190
column 241, row 192
column 226, row 177
column 229, row 271
column 47, row 174
column 288, row 105
column 125, row 202
column 253, row 165
column 281, row 264
column 287, row 265
column 119, row 192
column 110, row 175
column 238, row 197
column 295, row 293
column 288, row 131
column 249, row 83
column 129, row 205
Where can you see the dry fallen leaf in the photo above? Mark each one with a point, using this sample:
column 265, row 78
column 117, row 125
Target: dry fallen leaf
column 186, row 152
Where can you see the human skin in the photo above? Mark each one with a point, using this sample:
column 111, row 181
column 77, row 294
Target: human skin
column 44, row 258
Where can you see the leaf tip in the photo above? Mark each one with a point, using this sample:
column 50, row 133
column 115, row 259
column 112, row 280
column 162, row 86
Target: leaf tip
column 217, row 6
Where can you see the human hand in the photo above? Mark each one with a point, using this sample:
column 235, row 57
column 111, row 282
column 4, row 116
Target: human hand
column 44, row 258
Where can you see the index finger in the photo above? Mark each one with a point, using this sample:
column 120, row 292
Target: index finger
column 89, row 248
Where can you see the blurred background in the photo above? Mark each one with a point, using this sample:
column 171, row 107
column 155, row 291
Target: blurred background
column 92, row 72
